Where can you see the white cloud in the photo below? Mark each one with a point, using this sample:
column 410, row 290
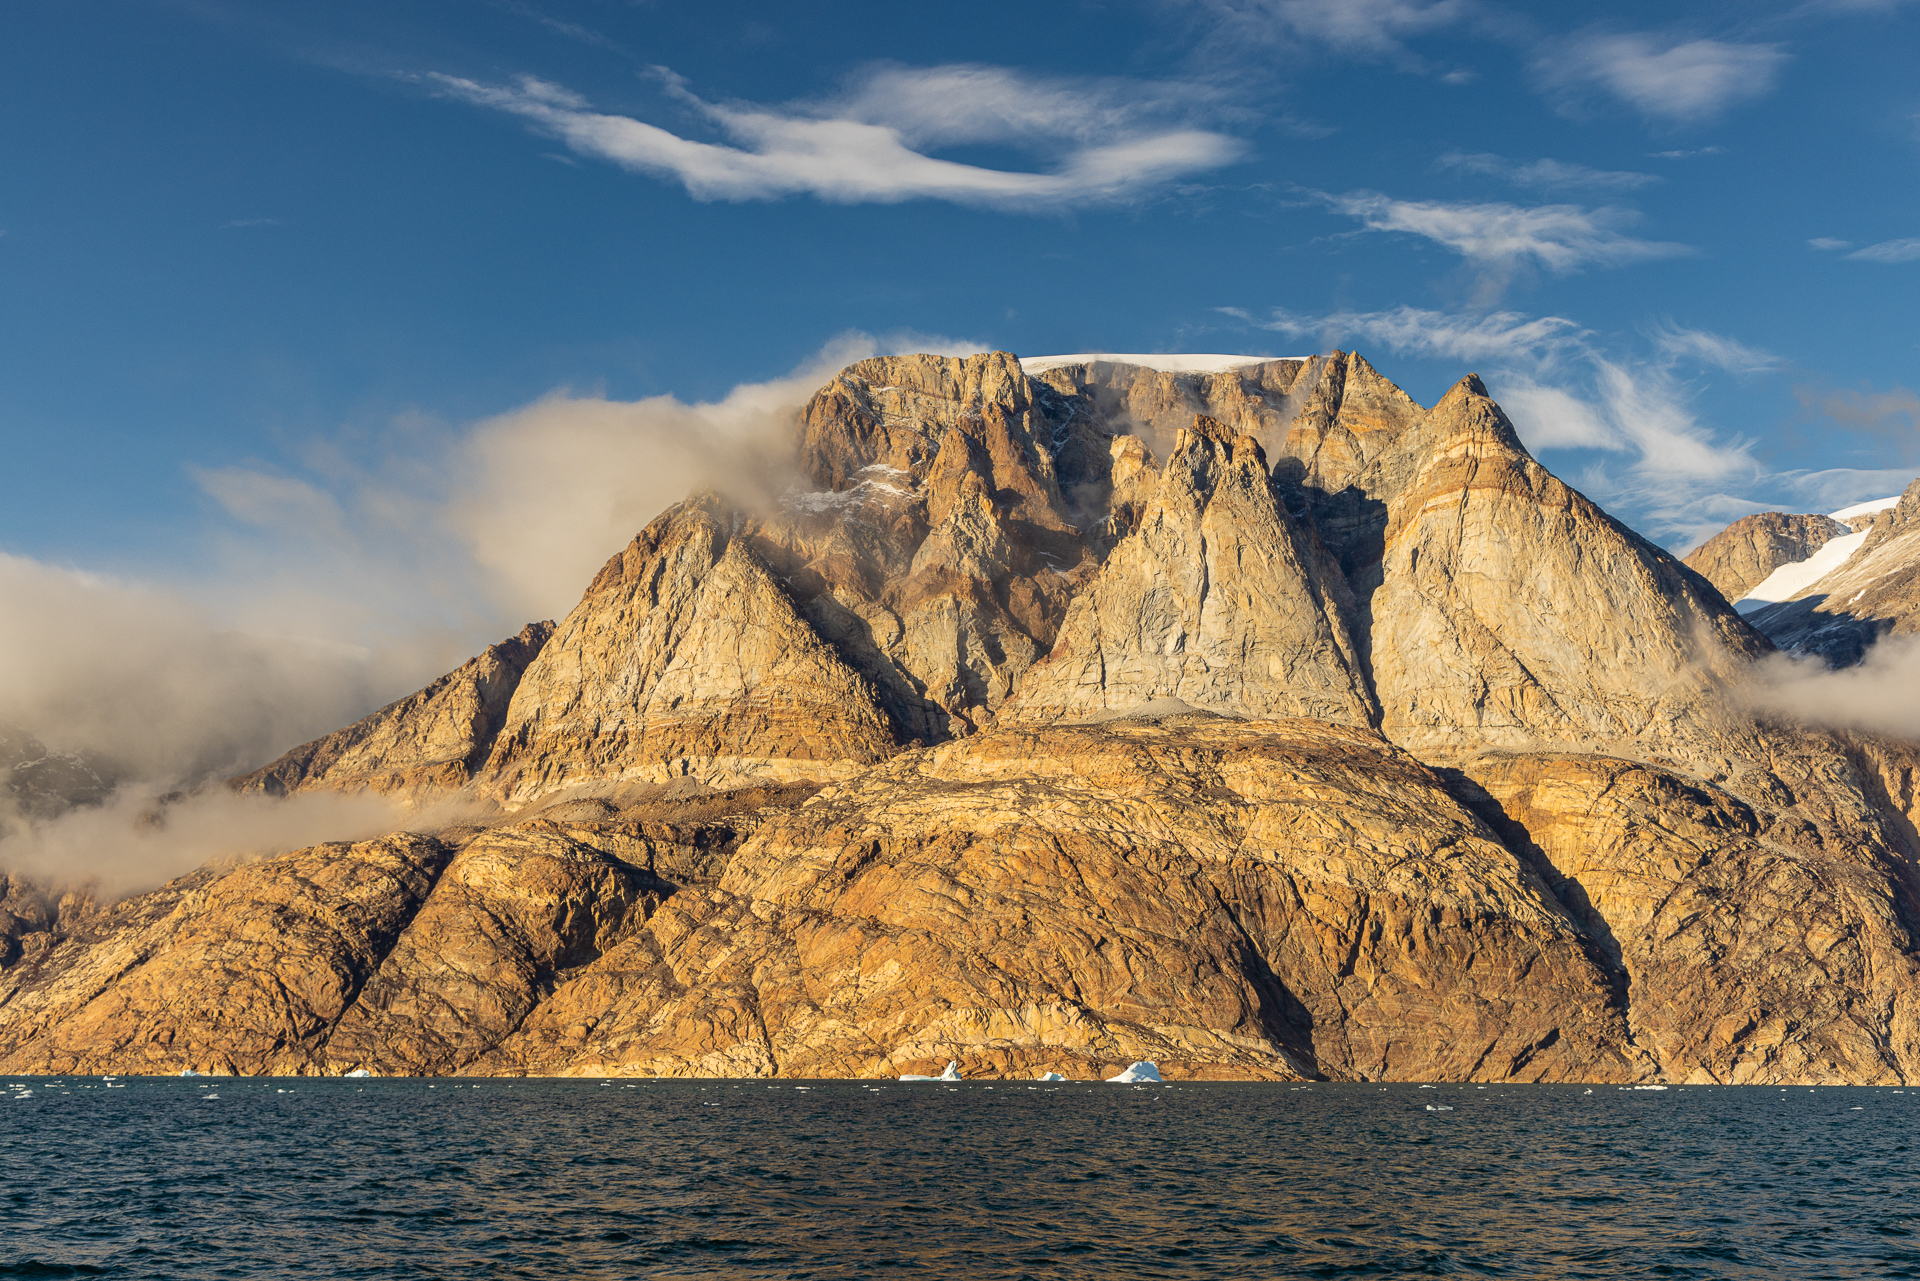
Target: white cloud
column 1374, row 30
column 1559, row 238
column 1506, row 336
column 1103, row 142
column 1546, row 175
column 384, row 562
column 1889, row 251
column 1880, row 695
column 1713, row 349
column 1674, row 80
column 1829, row 243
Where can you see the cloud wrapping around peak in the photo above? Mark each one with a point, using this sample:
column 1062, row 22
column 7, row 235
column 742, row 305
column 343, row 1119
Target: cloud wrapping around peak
column 1673, row 80
column 1109, row 143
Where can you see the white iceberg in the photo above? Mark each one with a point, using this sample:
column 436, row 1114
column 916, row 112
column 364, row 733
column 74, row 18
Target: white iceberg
column 358, row 1073
column 951, row 1074
column 1140, row 1070
column 1049, row 1076
column 188, row 1072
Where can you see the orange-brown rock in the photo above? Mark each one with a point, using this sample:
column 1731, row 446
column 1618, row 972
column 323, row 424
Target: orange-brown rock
column 1749, row 944
column 1219, row 600
column 424, row 745
column 243, row 969
column 685, row 659
column 907, row 768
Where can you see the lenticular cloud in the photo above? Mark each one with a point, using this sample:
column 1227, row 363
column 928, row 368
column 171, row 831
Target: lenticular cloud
column 1100, row 144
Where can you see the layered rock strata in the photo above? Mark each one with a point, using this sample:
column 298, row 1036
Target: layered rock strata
column 1262, row 724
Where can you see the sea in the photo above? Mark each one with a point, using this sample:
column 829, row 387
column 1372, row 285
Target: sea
column 482, row 1178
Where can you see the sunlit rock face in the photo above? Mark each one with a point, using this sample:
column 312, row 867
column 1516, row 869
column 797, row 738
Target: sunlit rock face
column 1874, row 592
column 1256, row 722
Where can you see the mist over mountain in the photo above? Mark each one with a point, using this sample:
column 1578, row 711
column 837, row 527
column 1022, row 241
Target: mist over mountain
column 1243, row 715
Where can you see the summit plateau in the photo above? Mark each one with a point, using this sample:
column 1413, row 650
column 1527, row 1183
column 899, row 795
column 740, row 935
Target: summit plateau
column 1244, row 716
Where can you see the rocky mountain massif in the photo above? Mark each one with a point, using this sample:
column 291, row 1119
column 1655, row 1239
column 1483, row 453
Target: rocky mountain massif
column 1262, row 723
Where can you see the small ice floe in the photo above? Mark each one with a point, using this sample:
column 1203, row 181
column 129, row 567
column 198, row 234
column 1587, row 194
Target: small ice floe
column 1441, row 1108
column 358, row 1074
column 1139, row 1070
column 188, row 1072
column 1649, row 1087
column 951, row 1074
column 1049, row 1076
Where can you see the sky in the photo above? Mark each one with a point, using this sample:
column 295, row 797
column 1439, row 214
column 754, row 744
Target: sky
column 346, row 338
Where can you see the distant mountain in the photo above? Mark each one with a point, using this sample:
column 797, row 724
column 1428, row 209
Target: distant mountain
column 1823, row 585
column 1243, row 716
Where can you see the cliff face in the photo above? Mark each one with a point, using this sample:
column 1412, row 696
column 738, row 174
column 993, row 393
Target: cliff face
column 1263, row 724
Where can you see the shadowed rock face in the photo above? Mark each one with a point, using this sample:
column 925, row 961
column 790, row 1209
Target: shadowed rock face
column 1875, row 593
column 426, row 744
column 1740, row 557
column 1261, row 724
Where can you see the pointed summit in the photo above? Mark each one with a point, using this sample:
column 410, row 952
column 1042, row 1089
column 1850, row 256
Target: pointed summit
column 1219, row 599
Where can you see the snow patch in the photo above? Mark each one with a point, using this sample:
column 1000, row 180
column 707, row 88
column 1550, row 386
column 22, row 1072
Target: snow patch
column 1140, row 1070
column 1868, row 508
column 1165, row 362
column 1789, row 581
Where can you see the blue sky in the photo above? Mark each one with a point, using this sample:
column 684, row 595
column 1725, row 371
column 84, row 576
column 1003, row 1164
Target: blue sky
column 273, row 272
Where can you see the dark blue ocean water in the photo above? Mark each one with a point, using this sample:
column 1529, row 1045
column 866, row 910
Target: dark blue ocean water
column 271, row 1178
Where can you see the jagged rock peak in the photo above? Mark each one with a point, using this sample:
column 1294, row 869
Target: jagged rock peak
column 686, row 658
column 928, row 418
column 1512, row 611
column 1219, row 599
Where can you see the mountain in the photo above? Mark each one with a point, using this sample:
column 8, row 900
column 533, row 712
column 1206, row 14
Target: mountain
column 1745, row 553
column 1873, row 592
column 1252, row 719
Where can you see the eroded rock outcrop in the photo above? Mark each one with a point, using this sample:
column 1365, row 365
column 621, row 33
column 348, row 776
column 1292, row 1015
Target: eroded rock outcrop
column 685, row 659
column 423, row 746
column 1219, row 599
column 922, row 763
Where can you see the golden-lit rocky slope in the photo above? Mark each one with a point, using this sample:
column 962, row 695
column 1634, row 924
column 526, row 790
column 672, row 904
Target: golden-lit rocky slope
column 1264, row 724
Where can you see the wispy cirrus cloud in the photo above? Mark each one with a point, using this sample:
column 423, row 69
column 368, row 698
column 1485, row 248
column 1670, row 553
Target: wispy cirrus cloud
column 1546, row 174
column 1503, row 239
column 1669, row 78
column 1100, row 142
column 1375, row 30
column 1907, row 250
